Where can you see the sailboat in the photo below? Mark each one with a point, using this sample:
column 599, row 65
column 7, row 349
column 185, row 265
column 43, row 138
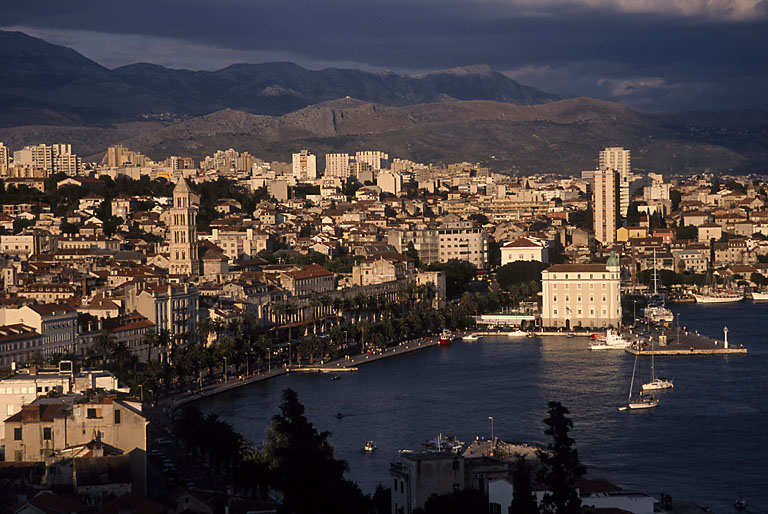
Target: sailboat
column 656, row 383
column 656, row 312
column 643, row 401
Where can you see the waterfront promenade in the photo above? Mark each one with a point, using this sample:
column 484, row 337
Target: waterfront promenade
column 348, row 363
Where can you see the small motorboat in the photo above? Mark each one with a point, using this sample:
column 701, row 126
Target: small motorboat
column 338, row 415
column 469, row 338
column 740, row 504
column 335, row 377
column 369, row 446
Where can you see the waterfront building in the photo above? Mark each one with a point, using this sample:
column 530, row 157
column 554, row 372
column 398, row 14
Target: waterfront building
column 182, row 232
column 605, row 207
column 617, row 159
column 312, row 279
column 581, row 295
column 304, row 166
column 420, row 475
column 381, row 268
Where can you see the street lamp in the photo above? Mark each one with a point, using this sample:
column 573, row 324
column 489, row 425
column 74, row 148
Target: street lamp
column 678, row 328
column 634, row 313
column 225, row 369
column 492, row 438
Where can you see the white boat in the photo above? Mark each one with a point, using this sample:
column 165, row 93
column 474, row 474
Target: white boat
column 470, row 337
column 517, row 333
column 656, row 383
column 369, row 446
column 656, row 312
column 642, row 401
column 719, row 297
column 760, row 296
column 611, row 341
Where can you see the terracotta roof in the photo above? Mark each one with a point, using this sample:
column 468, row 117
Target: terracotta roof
column 522, row 242
column 51, row 308
column 313, row 270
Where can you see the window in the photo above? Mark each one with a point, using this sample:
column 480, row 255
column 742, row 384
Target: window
column 117, row 416
column 91, row 414
column 46, row 433
column 17, row 434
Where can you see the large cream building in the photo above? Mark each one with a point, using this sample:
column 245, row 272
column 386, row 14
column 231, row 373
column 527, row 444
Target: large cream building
column 581, row 295
column 304, row 165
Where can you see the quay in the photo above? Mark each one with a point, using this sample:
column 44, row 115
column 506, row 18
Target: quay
column 319, row 369
column 346, row 364
column 680, row 343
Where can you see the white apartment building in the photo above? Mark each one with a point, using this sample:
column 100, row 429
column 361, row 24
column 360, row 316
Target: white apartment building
column 617, row 159
column 605, row 208
column 337, row 165
column 241, row 244
column 373, row 158
column 29, row 242
column 304, row 166
column 5, row 157
column 390, row 182
column 581, row 295
column 524, row 249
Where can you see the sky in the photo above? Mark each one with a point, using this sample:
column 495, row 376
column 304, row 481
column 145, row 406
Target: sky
column 651, row 54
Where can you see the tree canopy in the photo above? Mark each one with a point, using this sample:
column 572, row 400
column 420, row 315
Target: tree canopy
column 561, row 466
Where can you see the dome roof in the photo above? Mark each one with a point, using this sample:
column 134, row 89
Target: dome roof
column 612, row 261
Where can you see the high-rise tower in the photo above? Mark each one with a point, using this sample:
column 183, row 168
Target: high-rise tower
column 617, row 159
column 606, row 205
column 183, row 232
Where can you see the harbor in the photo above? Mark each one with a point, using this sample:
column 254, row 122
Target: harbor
column 679, row 342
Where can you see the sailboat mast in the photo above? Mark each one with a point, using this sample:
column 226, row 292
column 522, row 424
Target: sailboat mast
column 632, row 382
column 653, row 368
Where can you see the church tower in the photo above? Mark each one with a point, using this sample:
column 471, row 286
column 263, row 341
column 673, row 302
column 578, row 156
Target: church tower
column 183, row 233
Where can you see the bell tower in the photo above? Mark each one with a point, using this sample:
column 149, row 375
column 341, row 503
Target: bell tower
column 183, row 232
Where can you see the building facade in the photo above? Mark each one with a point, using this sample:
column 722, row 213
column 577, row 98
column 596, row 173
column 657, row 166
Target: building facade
column 617, row 159
column 581, row 295
column 605, row 206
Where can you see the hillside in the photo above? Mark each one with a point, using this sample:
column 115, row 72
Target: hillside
column 561, row 136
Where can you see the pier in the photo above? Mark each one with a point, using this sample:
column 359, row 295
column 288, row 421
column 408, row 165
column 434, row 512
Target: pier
column 680, row 342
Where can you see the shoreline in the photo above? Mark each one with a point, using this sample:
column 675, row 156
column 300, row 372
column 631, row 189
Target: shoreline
column 343, row 365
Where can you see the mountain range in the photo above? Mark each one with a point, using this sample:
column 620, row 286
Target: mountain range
column 50, row 93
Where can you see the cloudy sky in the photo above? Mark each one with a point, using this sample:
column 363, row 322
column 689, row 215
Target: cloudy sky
column 651, row 54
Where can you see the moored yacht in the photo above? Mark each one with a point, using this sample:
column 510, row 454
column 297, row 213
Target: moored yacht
column 611, row 341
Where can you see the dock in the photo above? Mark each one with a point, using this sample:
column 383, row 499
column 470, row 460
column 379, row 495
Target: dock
column 682, row 343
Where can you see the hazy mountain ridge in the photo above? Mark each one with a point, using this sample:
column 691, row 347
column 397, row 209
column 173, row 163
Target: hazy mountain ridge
column 71, row 88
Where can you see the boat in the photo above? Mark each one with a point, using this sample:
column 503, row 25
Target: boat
column 760, row 296
column 571, row 335
column 517, row 333
column 335, row 377
column 656, row 312
column 740, row 504
column 656, row 383
column 642, row 401
column 611, row 341
column 719, row 297
column 369, row 446
column 470, row 338
column 338, row 415
column 446, row 337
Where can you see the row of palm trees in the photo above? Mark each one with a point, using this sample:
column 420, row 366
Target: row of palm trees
column 338, row 327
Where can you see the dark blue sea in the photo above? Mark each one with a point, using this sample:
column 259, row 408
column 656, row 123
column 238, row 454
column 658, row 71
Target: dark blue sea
column 706, row 442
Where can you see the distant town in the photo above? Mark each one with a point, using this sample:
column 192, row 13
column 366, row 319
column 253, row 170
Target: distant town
column 131, row 288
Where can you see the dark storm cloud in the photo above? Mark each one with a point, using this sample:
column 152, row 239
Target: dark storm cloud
column 649, row 53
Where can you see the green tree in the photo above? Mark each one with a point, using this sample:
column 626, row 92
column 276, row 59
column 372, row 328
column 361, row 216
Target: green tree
column 518, row 272
column 302, row 466
column 687, row 232
column 675, row 197
column 464, row 501
column 413, row 253
column 523, row 500
column 458, row 275
column 561, row 466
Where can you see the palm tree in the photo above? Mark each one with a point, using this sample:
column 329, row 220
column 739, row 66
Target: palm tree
column 205, row 328
column 120, row 353
column 103, row 344
column 150, row 339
